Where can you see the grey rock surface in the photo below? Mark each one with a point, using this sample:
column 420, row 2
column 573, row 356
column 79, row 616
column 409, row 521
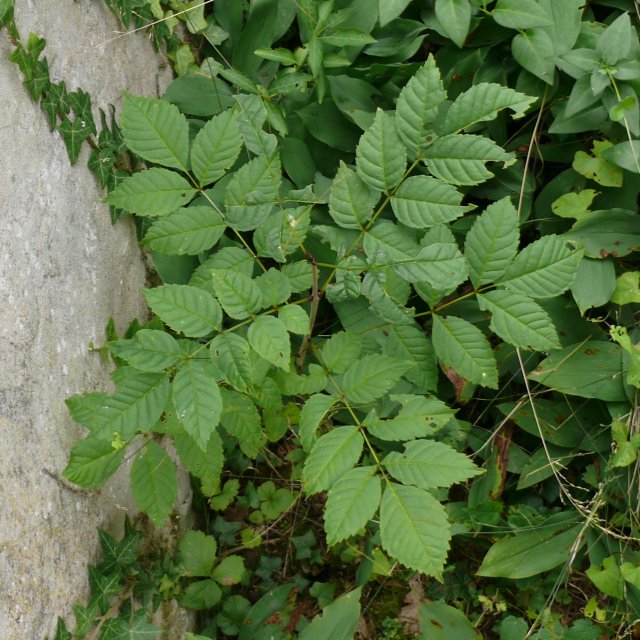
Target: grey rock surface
column 64, row 270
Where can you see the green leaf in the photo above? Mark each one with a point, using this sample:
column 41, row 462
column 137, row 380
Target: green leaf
column 186, row 232
column 441, row 265
column 252, row 115
column 440, row 621
column 544, row 269
column 520, row 14
column 594, row 283
column 417, row 106
column 428, row 464
column 92, row 461
column 153, row 482
column 332, row 455
column 519, row 321
column 421, row 202
column 231, row 354
column 294, row 318
column 624, row 154
column 340, row 350
column 137, row 404
column 274, row 287
column 464, row 348
column 6, row 14
column 492, row 242
column 598, row 167
column 197, row 553
column 391, row 9
column 351, row 200
column 614, row 43
column 216, row 148
column 204, row 465
column 203, row 594
column 627, row 288
column 381, row 157
column 74, row 132
column 229, row 571
column 311, row 416
column 238, row 294
column 186, row 309
column 591, row 370
column 574, row 205
column 241, row 420
column 482, row 103
column 156, row 131
column 565, row 23
column 148, row 350
column 154, row 192
column 197, row 399
column 608, row 579
column 346, row 37
column 460, row 159
column 268, row 337
column 533, row 50
column 454, row 17
column 531, row 552
column 338, row 621
column 370, row 377
column 414, row 529
column 351, row 503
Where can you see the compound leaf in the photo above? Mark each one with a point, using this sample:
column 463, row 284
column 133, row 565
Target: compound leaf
column 269, row 338
column 92, row 461
column 311, row 416
column 148, row 350
column 351, row 200
column 371, row 377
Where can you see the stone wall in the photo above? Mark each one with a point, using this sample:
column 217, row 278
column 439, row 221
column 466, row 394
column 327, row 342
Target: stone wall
column 64, row 270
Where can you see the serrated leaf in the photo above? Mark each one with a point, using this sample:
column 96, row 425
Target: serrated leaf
column 464, row 348
column 137, row 404
column 229, row 571
column 482, row 103
column 519, row 321
column 237, row 293
column 351, row 200
column 340, row 350
column 414, row 529
column 428, row 464
column 421, row 202
column 544, row 269
column 186, row 309
column 156, row 131
column 197, row 553
column 441, row 265
column 295, row 319
column 371, row 377
column 197, row 401
column 188, row 231
column 216, row 147
column 460, row 159
column 252, row 192
column 268, row 337
column 203, row 594
column 417, row 106
column 351, row 503
column 241, row 420
column 154, row 192
column 492, row 242
column 231, row 354
column 520, row 14
column 148, row 350
column 311, row 416
column 92, row 461
column 381, row 156
column 454, row 17
column 332, row 455
column 204, row 465
column 154, row 483
column 274, row 288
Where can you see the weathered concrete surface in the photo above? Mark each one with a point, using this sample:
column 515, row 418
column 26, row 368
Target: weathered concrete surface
column 64, row 269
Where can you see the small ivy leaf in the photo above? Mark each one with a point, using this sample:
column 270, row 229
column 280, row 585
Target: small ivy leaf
column 268, row 337
column 74, row 132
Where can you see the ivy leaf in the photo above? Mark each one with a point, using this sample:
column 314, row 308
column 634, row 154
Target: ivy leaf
column 414, row 528
column 460, row 159
column 332, row 455
column 454, row 17
column 544, row 269
column 154, row 192
column 464, row 348
column 74, row 132
column 216, row 147
column 519, row 321
column 268, row 337
column 312, row 414
column 186, row 232
column 238, row 294
column 351, row 503
column 371, row 377
column 156, row 131
column 492, row 242
column 148, row 350
column 481, row 103
column 421, row 202
column 351, row 200
column 153, row 482
column 428, row 464
column 196, row 398
column 381, row 157
column 417, row 105
column 92, row 461
column 520, row 14
column 186, row 309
